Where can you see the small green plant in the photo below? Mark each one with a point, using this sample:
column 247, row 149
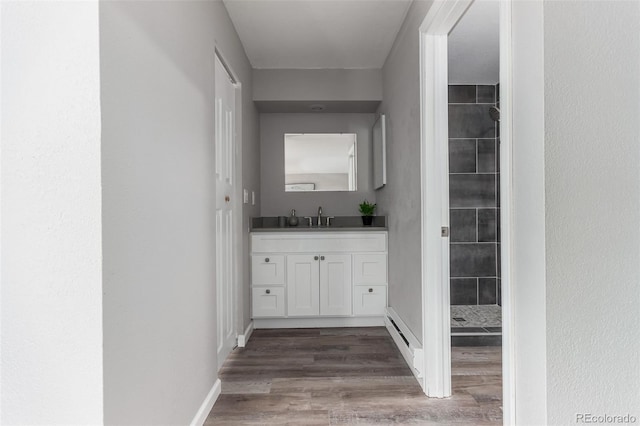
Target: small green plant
column 367, row 208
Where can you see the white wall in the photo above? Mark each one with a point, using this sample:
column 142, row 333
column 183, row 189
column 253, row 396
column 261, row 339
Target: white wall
column 400, row 198
column 592, row 184
column 157, row 62
column 576, row 210
column 275, row 201
column 317, row 84
column 528, row 299
column 51, row 220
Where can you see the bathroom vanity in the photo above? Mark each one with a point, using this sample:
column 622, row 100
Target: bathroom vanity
column 312, row 277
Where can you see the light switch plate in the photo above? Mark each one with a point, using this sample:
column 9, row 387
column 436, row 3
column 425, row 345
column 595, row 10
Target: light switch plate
column 253, row 198
column 245, row 195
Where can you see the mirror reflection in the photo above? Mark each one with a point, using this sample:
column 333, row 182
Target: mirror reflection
column 320, row 162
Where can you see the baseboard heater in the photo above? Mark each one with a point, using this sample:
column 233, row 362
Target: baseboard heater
column 406, row 342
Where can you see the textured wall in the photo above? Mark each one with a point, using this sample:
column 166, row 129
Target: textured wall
column 592, row 181
column 277, row 202
column 157, row 61
column 51, row 220
column 399, row 200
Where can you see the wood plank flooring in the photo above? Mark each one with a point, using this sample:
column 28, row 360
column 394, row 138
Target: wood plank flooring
column 346, row 376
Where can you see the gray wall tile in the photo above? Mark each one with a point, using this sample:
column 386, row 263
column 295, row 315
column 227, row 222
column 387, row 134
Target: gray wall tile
column 464, row 291
column 487, row 225
column 486, row 156
column 487, row 291
column 473, row 260
column 471, row 121
column 486, row 94
column 462, row 155
column 474, row 194
column 462, row 94
column 463, row 225
column 471, row 190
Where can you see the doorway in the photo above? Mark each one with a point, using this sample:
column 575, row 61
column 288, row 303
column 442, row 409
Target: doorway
column 436, row 200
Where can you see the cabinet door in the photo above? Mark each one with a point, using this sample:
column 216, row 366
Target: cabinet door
column 268, row 302
column 267, row 269
column 303, row 283
column 369, row 299
column 335, row 284
column 369, row 269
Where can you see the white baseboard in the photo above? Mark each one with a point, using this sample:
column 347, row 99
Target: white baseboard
column 207, row 404
column 411, row 349
column 244, row 338
column 318, row 322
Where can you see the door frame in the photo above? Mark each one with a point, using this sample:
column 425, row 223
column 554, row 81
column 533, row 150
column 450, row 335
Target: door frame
column 237, row 198
column 436, row 337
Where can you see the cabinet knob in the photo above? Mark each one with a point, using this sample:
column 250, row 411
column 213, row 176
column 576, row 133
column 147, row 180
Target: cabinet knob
column 315, row 257
column 321, row 257
column 268, row 291
column 266, row 259
column 370, row 290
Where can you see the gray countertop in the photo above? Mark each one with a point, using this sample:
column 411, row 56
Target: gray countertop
column 338, row 224
column 322, row 229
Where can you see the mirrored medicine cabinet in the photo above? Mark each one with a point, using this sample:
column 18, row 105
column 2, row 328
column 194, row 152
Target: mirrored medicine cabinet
column 320, row 162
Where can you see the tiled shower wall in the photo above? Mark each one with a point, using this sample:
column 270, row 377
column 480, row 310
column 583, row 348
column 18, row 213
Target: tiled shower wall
column 474, row 195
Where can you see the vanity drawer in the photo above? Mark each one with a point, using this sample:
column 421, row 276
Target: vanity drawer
column 369, row 299
column 267, row 269
column 319, row 242
column 268, row 301
column 369, row 269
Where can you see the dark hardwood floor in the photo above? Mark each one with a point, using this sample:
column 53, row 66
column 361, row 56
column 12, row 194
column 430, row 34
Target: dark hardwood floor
column 336, row 376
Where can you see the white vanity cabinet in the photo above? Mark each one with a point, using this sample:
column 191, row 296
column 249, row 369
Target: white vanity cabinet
column 303, row 285
column 318, row 274
column 370, row 284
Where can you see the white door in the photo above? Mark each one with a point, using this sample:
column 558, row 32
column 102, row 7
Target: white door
column 335, row 284
column 225, row 189
column 303, row 285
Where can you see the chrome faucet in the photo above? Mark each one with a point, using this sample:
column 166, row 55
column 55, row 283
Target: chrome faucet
column 320, row 216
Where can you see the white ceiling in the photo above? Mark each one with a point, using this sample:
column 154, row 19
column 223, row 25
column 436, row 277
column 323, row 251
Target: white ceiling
column 474, row 45
column 308, row 34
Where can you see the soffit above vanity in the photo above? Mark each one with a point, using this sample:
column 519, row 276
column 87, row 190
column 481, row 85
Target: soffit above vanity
column 326, row 91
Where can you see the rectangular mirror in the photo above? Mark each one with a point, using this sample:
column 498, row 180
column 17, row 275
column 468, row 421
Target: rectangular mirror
column 320, row 162
column 379, row 153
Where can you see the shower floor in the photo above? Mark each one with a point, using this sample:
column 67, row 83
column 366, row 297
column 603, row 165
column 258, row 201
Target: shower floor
column 472, row 319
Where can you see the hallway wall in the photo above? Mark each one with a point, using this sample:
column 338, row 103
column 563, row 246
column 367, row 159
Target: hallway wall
column 157, row 62
column 51, row 291
column 592, row 184
column 399, row 200
column 576, row 209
